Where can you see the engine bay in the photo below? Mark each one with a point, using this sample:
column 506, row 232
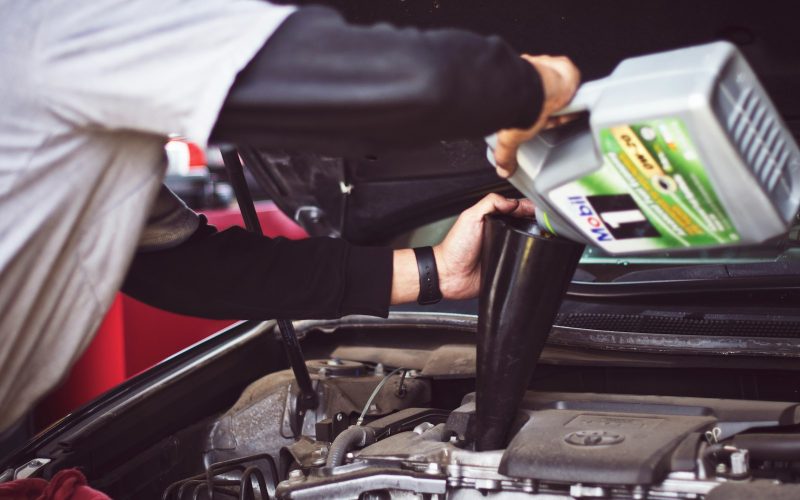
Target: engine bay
column 358, row 426
column 376, row 433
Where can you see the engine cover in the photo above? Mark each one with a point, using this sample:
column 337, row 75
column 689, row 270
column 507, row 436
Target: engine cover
column 598, row 447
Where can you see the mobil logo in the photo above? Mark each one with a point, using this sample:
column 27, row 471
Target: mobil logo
column 589, row 218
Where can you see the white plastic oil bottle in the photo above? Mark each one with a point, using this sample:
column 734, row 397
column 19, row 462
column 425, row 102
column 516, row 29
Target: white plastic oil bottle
column 681, row 150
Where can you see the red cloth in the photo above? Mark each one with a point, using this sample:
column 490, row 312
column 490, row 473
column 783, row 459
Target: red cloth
column 68, row 484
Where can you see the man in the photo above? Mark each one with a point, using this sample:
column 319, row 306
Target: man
column 91, row 89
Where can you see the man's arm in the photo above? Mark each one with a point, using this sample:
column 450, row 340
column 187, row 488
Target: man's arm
column 458, row 257
column 319, row 81
column 235, row 274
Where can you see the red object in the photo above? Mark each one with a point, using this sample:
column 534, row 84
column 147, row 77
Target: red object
column 197, row 157
column 67, row 484
column 101, row 367
column 153, row 334
column 135, row 336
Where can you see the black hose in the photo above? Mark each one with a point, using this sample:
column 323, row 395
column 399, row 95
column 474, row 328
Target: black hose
column 246, row 484
column 770, row 446
column 349, row 439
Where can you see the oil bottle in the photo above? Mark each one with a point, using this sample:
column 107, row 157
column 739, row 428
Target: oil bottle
column 680, row 150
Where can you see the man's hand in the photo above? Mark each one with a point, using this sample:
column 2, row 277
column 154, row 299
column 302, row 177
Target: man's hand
column 560, row 79
column 458, row 257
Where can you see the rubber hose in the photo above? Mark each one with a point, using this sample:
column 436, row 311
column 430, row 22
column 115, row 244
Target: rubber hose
column 770, row 446
column 349, row 439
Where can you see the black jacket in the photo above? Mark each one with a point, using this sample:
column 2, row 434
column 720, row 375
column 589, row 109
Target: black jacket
column 321, row 83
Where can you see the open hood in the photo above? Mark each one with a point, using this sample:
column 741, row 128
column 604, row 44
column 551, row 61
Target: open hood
column 373, row 197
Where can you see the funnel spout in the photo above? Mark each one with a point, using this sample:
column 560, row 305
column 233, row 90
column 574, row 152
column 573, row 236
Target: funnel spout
column 524, row 275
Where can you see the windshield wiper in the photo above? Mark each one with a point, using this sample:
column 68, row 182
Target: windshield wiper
column 784, row 275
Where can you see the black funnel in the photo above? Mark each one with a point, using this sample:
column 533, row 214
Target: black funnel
column 524, row 275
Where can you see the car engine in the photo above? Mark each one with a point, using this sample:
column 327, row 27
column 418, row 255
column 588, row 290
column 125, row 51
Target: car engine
column 375, row 435
column 350, row 428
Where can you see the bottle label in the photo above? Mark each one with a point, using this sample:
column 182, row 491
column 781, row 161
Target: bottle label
column 652, row 193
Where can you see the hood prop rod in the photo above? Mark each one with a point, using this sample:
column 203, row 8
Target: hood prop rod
column 307, row 398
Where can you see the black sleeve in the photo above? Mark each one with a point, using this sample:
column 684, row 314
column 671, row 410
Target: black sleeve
column 318, row 80
column 236, row 274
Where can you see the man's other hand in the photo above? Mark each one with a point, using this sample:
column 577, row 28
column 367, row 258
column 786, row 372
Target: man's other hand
column 458, row 257
column 560, row 80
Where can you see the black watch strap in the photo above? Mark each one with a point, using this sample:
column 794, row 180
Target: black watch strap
column 429, row 292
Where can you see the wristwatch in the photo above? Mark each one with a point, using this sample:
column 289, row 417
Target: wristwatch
column 429, row 292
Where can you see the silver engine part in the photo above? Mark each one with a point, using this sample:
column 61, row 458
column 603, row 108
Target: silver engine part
column 415, row 465
column 564, row 446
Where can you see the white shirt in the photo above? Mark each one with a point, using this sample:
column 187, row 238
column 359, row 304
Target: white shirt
column 89, row 91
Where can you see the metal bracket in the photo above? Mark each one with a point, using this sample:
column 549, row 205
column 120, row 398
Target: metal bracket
column 30, row 468
column 307, row 397
column 7, row 475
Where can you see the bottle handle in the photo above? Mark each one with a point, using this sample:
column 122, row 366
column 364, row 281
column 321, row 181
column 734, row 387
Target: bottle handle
column 586, row 96
column 588, row 93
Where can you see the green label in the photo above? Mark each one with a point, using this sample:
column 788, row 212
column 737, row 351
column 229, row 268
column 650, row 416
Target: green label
column 651, row 193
